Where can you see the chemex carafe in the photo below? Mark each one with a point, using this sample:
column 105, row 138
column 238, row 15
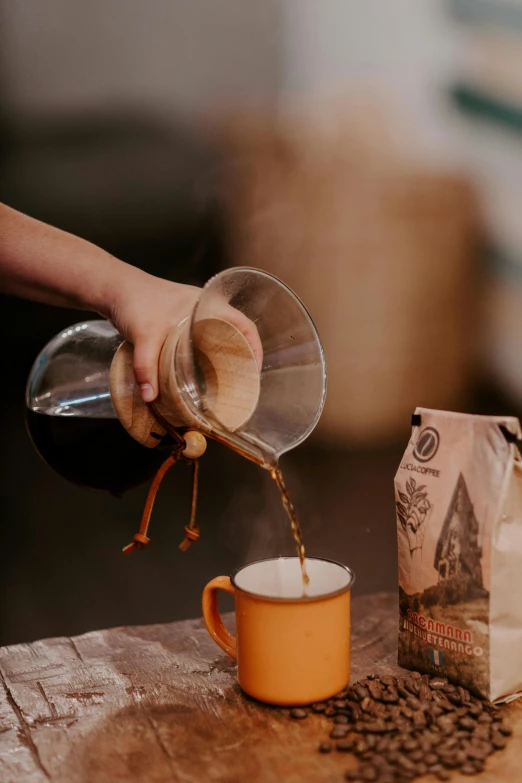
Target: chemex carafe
column 247, row 368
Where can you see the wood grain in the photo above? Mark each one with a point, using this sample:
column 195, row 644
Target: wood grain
column 160, row 703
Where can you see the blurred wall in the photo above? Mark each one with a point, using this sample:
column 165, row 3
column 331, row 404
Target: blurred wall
column 168, row 57
column 404, row 50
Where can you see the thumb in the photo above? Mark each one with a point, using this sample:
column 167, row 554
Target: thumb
column 146, row 357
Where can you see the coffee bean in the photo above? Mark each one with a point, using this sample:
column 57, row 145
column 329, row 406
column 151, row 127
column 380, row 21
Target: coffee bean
column 390, row 696
column 345, row 745
column 413, row 703
column 464, row 694
column 419, row 719
column 319, row 706
column 341, row 719
column 431, row 758
column 467, row 723
column 468, row 769
column 412, row 686
column 416, row 675
column 329, row 712
column 360, row 747
column 406, row 764
column 498, row 742
column 381, row 711
column 355, row 710
column 360, row 692
column 437, row 683
column 342, row 694
column 449, row 760
column 479, row 752
column 425, row 692
column 367, row 704
column 388, row 680
column 340, row 704
column 449, row 688
column 505, row 730
column 449, row 744
column 417, row 755
column 377, row 727
column 325, row 747
column 339, row 732
column 410, row 744
column 443, row 774
column 375, row 690
column 425, row 743
column 482, row 732
column 461, row 734
column 474, row 711
column 298, row 714
column 446, row 705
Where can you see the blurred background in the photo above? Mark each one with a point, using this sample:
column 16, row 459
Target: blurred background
column 366, row 153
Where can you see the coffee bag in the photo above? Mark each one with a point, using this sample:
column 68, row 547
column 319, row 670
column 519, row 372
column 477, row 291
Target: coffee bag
column 458, row 499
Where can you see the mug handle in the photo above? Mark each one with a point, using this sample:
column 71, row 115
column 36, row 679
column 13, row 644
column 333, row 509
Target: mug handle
column 211, row 615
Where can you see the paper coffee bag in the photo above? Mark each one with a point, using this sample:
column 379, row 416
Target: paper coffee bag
column 458, row 494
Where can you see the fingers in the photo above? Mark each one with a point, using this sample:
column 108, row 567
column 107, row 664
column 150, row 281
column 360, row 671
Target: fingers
column 146, row 358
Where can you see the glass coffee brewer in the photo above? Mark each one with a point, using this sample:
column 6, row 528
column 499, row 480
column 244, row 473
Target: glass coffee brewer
column 247, row 369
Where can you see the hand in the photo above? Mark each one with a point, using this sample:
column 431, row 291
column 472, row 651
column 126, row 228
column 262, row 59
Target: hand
column 146, row 309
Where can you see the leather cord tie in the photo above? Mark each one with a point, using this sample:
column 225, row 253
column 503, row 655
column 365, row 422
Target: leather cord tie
column 191, row 530
column 140, row 539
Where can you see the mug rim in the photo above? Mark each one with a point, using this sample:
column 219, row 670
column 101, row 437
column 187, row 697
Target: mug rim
column 295, row 600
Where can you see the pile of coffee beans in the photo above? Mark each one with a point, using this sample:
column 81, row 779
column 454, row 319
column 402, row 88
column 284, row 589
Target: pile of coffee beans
column 401, row 728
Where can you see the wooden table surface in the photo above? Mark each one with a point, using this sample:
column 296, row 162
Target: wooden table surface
column 160, row 703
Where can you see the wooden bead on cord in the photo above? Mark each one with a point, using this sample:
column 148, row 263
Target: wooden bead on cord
column 196, row 444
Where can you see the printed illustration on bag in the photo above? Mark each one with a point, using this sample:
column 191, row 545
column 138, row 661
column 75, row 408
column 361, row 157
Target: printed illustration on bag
column 413, row 510
column 458, row 554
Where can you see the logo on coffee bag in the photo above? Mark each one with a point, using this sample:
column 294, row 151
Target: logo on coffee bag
column 427, row 445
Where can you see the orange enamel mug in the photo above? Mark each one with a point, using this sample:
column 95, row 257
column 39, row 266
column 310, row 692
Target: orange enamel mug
column 291, row 647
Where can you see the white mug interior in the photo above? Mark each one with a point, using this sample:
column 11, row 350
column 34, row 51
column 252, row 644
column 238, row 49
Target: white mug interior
column 281, row 578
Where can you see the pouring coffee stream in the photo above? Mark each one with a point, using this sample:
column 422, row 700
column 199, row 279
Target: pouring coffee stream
column 247, row 369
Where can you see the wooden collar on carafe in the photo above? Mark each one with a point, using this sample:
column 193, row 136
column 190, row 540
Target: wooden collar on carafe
column 187, row 448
